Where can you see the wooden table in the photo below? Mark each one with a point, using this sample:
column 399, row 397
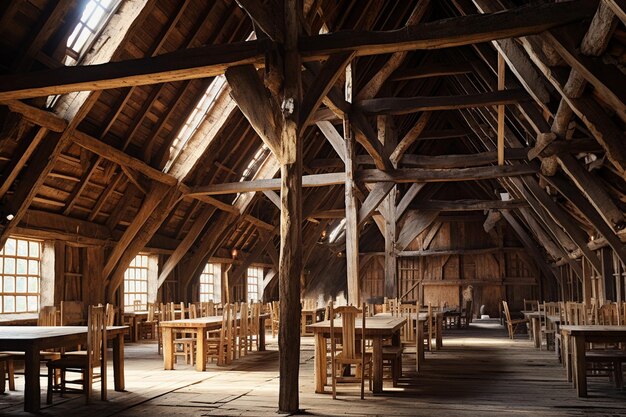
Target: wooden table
column 535, row 329
column 378, row 328
column 199, row 326
column 314, row 315
column 32, row 339
column 575, row 340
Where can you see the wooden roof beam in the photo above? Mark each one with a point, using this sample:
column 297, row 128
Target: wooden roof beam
column 212, row 60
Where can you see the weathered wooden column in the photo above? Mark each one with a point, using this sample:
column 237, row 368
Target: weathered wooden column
column 290, row 258
column 352, row 212
column 387, row 136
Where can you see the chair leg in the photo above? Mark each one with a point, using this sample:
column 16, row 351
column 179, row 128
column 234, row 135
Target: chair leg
column 617, row 375
column 62, row 383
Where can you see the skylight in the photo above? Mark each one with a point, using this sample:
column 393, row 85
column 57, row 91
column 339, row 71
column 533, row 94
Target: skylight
column 337, row 231
column 195, row 118
column 254, row 165
column 95, row 16
column 91, row 22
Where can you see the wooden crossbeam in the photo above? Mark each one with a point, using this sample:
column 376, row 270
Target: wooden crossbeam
column 405, row 175
column 407, row 105
column 469, row 205
column 414, row 223
column 431, row 70
column 212, row 60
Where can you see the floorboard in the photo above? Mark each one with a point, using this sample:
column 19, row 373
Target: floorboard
column 478, row 372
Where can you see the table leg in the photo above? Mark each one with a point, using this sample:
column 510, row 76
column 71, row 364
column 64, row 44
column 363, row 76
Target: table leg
column 567, row 358
column 320, row 373
column 439, row 336
column 2, row 377
column 200, row 350
column 537, row 332
column 168, row 349
column 377, row 364
column 118, row 362
column 32, row 390
column 580, row 365
column 262, row 334
column 419, row 352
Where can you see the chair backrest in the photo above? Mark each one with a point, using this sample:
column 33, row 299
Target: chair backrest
column 193, row 312
column 393, row 306
column 530, row 305
column 275, row 311
column 608, row 314
column 467, row 311
column 410, row 312
column 243, row 319
column 47, row 316
column 253, row 322
column 348, row 315
column 507, row 313
column 576, row 313
column 150, row 312
column 110, row 314
column 72, row 313
column 137, row 305
column 96, row 333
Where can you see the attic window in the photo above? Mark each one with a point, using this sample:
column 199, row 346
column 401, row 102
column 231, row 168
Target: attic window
column 254, row 165
column 332, row 237
column 195, row 118
column 92, row 21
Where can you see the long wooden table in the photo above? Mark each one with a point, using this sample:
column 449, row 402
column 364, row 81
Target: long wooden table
column 32, row 339
column 199, row 326
column 378, row 328
column 575, row 340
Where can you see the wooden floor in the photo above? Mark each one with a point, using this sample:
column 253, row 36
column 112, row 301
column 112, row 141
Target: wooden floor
column 478, row 373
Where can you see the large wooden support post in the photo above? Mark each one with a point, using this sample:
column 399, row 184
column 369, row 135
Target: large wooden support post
column 501, row 72
column 290, row 258
column 391, row 280
column 352, row 212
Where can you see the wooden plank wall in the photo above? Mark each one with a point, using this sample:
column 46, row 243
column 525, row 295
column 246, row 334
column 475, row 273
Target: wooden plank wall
column 443, row 279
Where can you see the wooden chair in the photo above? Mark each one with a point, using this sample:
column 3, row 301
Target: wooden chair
column 147, row 328
column 164, row 315
column 466, row 315
column 531, row 305
column 242, row 330
column 110, row 314
column 254, row 329
column 137, row 305
column 548, row 328
column 184, row 343
column 94, row 357
column 512, row 324
column 72, row 313
column 7, row 372
column 218, row 342
column 348, row 356
column 275, row 317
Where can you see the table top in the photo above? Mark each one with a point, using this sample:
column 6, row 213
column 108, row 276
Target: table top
column 594, row 330
column 200, row 322
column 313, row 310
column 20, row 337
column 376, row 326
column 531, row 314
column 554, row 318
column 40, row 332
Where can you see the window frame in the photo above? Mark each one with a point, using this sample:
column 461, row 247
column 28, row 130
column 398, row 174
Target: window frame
column 31, row 306
column 128, row 301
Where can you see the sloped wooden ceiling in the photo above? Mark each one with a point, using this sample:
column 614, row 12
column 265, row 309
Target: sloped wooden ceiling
column 98, row 177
